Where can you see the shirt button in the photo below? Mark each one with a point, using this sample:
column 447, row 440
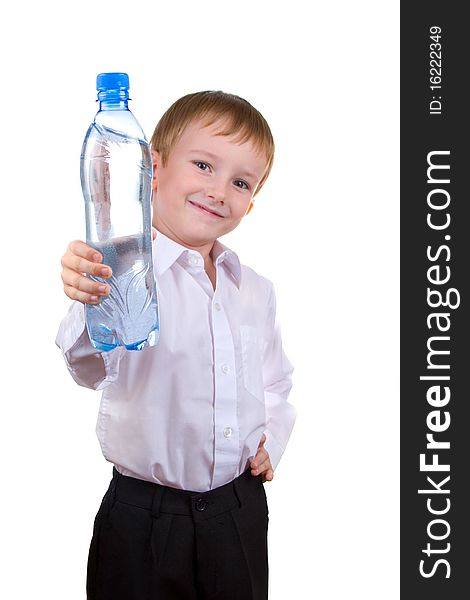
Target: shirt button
column 227, row 432
column 201, row 504
column 225, row 369
column 217, row 306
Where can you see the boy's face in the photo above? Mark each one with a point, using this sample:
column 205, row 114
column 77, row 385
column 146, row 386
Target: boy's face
column 204, row 170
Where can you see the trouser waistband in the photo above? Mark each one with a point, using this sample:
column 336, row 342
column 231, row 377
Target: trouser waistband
column 200, row 505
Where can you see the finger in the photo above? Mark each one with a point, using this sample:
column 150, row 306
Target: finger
column 154, row 233
column 86, row 286
column 269, row 475
column 79, row 264
column 80, row 296
column 260, row 457
column 83, row 258
column 263, row 466
column 79, row 248
column 262, row 440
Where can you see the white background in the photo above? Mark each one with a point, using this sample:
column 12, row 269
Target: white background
column 324, row 229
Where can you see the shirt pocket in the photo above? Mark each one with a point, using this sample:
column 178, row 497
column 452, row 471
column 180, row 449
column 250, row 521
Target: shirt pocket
column 251, row 361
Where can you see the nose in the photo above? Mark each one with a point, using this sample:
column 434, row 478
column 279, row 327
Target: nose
column 216, row 190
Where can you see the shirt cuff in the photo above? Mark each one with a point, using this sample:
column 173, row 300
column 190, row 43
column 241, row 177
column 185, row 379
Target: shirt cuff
column 73, row 332
column 85, row 363
column 273, row 448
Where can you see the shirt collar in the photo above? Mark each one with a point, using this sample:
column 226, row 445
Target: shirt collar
column 167, row 252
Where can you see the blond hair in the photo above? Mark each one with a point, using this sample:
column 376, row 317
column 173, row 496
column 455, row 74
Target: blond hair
column 240, row 119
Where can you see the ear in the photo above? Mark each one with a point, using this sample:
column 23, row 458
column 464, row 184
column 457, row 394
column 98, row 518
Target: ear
column 249, row 207
column 156, row 163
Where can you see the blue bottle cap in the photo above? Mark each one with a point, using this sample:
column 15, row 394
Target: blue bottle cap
column 112, row 81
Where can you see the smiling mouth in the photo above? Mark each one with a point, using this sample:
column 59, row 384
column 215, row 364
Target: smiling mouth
column 206, row 210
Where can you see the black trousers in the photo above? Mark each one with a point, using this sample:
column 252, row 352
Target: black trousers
column 152, row 542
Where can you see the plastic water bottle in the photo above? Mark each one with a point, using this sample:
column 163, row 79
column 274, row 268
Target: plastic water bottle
column 116, row 176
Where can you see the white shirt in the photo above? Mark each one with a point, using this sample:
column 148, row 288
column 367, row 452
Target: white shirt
column 189, row 412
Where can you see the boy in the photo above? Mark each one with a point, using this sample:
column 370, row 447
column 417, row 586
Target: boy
column 196, row 424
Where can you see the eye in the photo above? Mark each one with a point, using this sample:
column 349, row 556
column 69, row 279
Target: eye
column 246, row 186
column 199, row 162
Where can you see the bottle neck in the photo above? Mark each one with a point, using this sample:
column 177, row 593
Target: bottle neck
column 113, row 99
column 113, row 104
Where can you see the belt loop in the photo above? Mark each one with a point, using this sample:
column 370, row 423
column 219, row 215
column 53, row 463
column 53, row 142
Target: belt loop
column 114, row 486
column 237, row 492
column 155, row 512
column 157, row 501
column 112, row 492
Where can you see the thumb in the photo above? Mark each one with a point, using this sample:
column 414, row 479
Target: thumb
column 154, row 233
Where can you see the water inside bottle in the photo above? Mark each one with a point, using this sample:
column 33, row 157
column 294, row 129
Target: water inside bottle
column 127, row 316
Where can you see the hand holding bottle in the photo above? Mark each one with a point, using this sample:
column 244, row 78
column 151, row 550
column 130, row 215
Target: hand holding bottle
column 80, row 260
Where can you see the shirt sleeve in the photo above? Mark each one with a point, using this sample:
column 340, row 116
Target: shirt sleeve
column 88, row 367
column 277, row 379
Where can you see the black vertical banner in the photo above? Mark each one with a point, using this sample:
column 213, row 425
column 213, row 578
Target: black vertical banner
column 435, row 302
